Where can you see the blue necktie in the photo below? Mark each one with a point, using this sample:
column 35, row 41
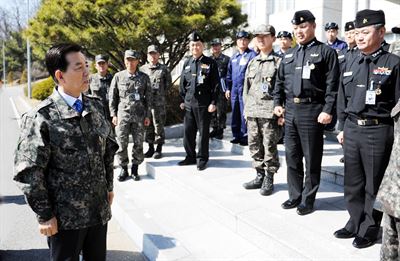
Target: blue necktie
column 78, row 106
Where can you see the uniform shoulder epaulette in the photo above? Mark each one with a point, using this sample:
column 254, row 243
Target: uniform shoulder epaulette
column 42, row 105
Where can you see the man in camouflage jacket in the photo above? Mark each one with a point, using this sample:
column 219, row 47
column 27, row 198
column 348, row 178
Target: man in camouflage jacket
column 388, row 198
column 99, row 83
column 64, row 161
column 160, row 79
column 130, row 108
column 262, row 125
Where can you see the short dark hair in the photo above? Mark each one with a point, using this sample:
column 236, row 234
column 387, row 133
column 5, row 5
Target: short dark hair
column 55, row 57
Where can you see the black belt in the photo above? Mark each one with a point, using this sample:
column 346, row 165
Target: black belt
column 370, row 121
column 302, row 100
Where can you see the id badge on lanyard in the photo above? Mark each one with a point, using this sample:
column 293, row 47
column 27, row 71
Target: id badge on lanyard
column 370, row 97
column 306, row 71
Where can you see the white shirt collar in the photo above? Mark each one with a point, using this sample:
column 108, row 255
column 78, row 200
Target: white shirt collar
column 67, row 98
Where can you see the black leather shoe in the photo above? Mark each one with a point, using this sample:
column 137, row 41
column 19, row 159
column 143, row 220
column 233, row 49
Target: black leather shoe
column 219, row 134
column 186, row 162
column 213, row 133
column 288, row 204
column 342, row 159
column 362, row 242
column 304, row 209
column 123, row 175
column 343, row 233
column 202, row 165
column 235, row 141
column 244, row 142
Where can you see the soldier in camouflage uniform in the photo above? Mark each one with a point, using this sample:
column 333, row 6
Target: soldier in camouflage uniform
column 218, row 118
column 160, row 79
column 388, row 197
column 99, row 83
column 64, row 161
column 130, row 109
column 263, row 129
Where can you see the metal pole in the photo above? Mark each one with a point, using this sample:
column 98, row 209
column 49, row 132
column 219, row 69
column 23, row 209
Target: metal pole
column 28, row 54
column 4, row 65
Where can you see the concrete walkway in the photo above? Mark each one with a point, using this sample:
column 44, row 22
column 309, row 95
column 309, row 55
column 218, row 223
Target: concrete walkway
column 179, row 213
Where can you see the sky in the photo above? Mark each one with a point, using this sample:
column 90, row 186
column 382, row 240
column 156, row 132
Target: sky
column 22, row 4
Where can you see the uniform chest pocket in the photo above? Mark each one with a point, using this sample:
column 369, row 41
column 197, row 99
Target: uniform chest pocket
column 95, row 86
column 315, row 63
column 188, row 75
column 288, row 60
column 123, row 88
column 347, row 80
column 382, row 80
column 252, row 74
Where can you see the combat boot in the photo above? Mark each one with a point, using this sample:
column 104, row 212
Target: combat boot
column 268, row 184
column 123, row 174
column 150, row 151
column 134, row 172
column 157, row 154
column 255, row 183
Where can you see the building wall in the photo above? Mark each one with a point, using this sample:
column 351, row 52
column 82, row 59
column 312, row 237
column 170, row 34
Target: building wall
column 279, row 13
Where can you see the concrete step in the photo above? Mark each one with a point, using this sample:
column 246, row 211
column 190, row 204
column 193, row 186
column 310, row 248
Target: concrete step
column 179, row 213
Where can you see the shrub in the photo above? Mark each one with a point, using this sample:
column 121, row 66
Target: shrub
column 41, row 90
column 24, row 77
column 174, row 113
column 10, row 78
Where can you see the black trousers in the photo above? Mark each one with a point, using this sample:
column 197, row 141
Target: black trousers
column 366, row 155
column 66, row 245
column 303, row 138
column 196, row 118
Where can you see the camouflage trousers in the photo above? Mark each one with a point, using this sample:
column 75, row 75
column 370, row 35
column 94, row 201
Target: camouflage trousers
column 390, row 250
column 155, row 132
column 263, row 136
column 218, row 118
column 122, row 131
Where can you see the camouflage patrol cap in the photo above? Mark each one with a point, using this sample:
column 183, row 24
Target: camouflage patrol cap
column 132, row 54
column 302, row 16
column 265, row 30
column 152, row 49
column 349, row 26
column 101, row 58
column 368, row 17
column 216, row 41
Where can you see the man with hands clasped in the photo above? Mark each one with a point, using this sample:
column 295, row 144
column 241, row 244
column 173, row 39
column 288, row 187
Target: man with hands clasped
column 198, row 89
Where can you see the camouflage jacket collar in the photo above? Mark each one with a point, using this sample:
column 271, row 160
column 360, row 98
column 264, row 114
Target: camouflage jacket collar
column 67, row 112
column 269, row 57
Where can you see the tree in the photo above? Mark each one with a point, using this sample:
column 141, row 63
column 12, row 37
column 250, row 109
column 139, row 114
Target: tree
column 112, row 26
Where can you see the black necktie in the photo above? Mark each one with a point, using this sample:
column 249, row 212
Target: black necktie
column 297, row 81
column 364, row 71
